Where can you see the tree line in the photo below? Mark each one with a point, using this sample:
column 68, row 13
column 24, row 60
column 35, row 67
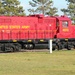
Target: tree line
column 13, row 8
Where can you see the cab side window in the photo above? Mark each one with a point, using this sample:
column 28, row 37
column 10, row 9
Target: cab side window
column 65, row 23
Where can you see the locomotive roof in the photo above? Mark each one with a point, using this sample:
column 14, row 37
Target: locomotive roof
column 63, row 18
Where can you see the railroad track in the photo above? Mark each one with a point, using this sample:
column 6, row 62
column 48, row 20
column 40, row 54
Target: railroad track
column 35, row 50
column 26, row 50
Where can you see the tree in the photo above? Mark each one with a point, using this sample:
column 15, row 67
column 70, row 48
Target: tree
column 43, row 7
column 52, row 12
column 70, row 11
column 11, row 8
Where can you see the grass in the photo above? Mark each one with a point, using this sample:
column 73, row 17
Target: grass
column 38, row 63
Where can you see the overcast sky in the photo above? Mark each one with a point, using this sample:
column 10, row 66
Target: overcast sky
column 57, row 3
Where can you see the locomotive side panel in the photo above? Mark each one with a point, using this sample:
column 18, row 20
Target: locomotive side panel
column 46, row 28
column 17, row 28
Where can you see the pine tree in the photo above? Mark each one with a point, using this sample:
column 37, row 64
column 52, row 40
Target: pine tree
column 70, row 11
column 52, row 12
column 42, row 7
column 11, row 8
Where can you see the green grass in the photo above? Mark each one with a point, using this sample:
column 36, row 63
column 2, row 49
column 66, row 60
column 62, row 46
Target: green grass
column 38, row 63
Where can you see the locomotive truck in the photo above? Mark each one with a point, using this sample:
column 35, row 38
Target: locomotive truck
column 23, row 32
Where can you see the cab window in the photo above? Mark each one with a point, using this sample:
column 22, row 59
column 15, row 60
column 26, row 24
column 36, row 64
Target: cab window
column 65, row 23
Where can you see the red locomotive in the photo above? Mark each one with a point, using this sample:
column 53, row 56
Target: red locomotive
column 24, row 32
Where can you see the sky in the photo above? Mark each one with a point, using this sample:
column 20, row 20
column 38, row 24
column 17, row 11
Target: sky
column 57, row 3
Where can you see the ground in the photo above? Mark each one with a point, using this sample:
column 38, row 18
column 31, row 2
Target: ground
column 38, row 63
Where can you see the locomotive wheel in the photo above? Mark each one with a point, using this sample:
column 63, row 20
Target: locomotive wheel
column 29, row 46
column 1, row 45
column 59, row 46
column 68, row 47
column 25, row 46
column 17, row 47
column 54, row 47
column 7, row 47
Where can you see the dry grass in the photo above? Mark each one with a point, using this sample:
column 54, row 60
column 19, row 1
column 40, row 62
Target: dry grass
column 38, row 63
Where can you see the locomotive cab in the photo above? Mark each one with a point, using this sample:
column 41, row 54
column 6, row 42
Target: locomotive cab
column 63, row 27
column 64, row 33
